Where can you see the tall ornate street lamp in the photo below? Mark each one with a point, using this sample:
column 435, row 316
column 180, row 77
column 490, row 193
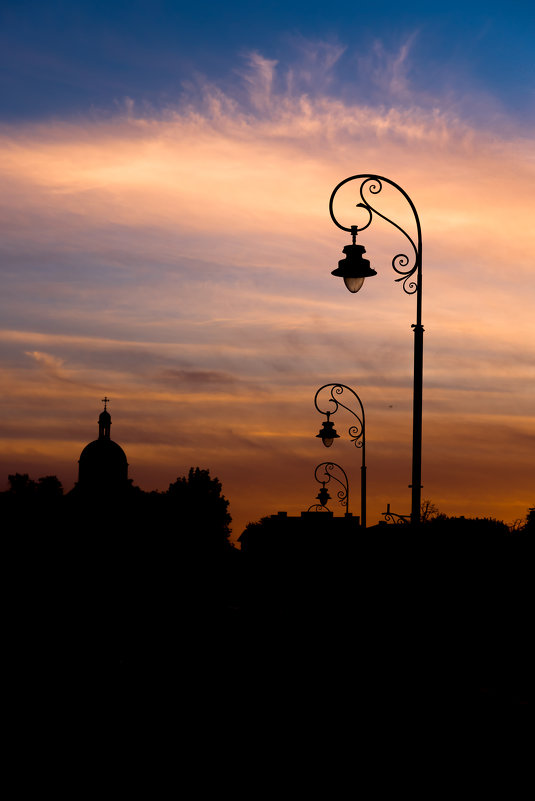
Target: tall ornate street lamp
column 354, row 269
column 357, row 432
column 324, row 477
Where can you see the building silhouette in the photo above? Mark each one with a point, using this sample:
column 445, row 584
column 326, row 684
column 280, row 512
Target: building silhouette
column 312, row 533
column 102, row 467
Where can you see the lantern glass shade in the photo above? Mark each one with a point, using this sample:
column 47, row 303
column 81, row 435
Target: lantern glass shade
column 328, row 441
column 353, row 283
column 354, row 268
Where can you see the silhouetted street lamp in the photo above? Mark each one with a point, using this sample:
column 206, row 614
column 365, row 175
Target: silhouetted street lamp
column 324, row 477
column 393, row 517
column 357, row 432
column 354, row 269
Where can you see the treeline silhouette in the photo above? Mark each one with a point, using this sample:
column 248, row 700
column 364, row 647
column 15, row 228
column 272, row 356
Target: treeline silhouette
column 114, row 590
column 143, row 589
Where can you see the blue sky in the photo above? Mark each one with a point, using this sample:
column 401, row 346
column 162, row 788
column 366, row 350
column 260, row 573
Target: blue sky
column 61, row 58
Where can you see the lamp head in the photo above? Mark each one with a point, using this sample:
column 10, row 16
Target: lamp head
column 354, row 268
column 323, row 495
column 328, row 433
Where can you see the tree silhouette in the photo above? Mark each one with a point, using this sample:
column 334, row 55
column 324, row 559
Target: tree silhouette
column 428, row 510
column 21, row 485
column 46, row 488
column 49, row 488
column 197, row 501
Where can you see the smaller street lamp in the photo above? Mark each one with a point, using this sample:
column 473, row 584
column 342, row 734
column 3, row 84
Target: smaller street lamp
column 324, row 477
column 357, row 432
column 394, row 517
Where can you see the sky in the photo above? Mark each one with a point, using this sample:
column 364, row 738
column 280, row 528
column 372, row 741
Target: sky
column 166, row 241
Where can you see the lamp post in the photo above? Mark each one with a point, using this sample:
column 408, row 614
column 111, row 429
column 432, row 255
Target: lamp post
column 324, row 478
column 357, row 432
column 354, row 269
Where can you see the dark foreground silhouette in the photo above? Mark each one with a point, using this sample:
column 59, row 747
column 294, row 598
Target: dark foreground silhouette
column 137, row 600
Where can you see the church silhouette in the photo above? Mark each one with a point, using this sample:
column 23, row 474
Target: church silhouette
column 103, row 467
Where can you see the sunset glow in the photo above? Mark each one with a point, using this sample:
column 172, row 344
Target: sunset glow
column 177, row 258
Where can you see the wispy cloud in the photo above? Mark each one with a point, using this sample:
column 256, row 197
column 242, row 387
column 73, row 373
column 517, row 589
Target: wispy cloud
column 388, row 71
column 259, row 77
column 52, row 366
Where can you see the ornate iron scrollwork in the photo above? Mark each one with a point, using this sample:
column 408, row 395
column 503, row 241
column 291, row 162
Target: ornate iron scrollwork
column 356, row 432
column 393, row 517
column 404, row 265
column 324, row 476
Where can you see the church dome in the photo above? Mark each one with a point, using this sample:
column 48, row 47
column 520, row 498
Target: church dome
column 102, row 464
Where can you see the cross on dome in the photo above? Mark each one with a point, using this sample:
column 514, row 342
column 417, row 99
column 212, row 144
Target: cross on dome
column 105, row 401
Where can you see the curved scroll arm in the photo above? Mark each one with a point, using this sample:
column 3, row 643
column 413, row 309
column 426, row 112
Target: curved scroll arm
column 356, row 432
column 326, row 476
column 393, row 517
column 402, row 264
column 317, row 507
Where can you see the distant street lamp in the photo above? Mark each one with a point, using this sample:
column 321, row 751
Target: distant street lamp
column 324, row 477
column 357, row 432
column 393, row 517
column 354, row 269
